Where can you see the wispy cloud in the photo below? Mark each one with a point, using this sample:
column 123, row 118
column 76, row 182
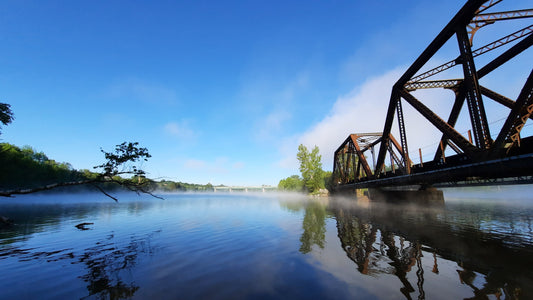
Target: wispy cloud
column 270, row 125
column 140, row 90
column 238, row 165
column 195, row 164
column 179, row 129
column 219, row 165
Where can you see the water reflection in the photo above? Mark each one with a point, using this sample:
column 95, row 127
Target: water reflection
column 107, row 263
column 231, row 246
column 384, row 239
column 107, row 260
column 314, row 226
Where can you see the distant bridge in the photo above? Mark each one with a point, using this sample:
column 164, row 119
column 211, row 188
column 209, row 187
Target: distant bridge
column 477, row 158
column 245, row 189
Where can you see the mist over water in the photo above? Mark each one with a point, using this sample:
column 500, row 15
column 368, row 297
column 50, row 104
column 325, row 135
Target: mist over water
column 479, row 243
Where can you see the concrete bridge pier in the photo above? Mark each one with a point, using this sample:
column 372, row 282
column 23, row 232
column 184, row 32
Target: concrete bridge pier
column 425, row 196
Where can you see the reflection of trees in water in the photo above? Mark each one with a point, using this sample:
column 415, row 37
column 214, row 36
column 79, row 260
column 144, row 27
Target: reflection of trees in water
column 314, row 226
column 106, row 264
column 389, row 243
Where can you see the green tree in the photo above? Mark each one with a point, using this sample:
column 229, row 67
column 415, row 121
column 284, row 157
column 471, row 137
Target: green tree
column 327, row 177
column 311, row 168
column 6, row 115
column 292, row 183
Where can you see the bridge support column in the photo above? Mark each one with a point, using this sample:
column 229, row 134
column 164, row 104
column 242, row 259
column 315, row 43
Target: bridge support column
column 427, row 196
column 360, row 193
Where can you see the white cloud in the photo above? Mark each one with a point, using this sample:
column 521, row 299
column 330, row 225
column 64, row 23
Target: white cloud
column 195, row 164
column 220, row 165
column 143, row 91
column 363, row 110
column 238, row 165
column 179, row 129
column 269, row 126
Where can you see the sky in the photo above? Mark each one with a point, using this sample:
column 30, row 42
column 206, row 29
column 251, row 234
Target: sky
column 220, row 92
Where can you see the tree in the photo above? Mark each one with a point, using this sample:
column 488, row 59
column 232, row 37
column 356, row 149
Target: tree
column 6, row 115
column 311, row 168
column 292, row 183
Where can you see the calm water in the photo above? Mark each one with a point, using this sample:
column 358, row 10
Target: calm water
column 264, row 246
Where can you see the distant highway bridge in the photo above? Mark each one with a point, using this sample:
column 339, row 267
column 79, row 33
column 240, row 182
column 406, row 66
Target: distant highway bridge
column 476, row 157
column 245, row 189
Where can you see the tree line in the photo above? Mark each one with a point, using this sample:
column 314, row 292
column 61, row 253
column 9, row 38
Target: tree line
column 27, row 168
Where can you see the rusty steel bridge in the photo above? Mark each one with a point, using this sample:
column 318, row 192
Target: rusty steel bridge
column 476, row 157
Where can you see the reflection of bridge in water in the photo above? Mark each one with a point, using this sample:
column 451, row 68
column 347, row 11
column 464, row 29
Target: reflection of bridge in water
column 476, row 158
column 245, row 189
column 385, row 240
column 410, row 242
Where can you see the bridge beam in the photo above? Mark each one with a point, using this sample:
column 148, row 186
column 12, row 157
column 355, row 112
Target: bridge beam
column 508, row 144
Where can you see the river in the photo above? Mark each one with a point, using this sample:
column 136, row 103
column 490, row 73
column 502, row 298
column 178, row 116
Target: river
column 267, row 246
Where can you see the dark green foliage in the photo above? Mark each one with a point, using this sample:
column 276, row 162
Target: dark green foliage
column 311, row 168
column 124, row 153
column 313, row 177
column 6, row 115
column 172, row 186
column 292, row 183
column 327, row 177
column 26, row 168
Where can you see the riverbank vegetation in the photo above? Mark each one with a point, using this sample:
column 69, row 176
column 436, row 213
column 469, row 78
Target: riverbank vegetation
column 24, row 168
column 313, row 179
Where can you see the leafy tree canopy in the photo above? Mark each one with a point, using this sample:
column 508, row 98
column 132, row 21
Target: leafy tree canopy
column 124, row 157
column 292, row 183
column 311, row 168
column 6, row 115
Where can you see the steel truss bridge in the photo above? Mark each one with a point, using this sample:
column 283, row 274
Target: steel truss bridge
column 368, row 160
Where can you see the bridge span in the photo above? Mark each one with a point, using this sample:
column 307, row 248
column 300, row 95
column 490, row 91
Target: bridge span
column 245, row 189
column 485, row 154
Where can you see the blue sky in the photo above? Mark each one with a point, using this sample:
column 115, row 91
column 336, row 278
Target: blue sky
column 218, row 91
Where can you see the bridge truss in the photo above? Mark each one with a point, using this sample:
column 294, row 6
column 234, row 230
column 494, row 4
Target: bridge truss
column 478, row 157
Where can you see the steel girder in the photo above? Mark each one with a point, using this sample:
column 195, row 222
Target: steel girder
column 350, row 163
column 470, row 18
column 467, row 89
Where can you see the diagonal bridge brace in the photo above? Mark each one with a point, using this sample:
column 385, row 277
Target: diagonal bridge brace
column 440, row 124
